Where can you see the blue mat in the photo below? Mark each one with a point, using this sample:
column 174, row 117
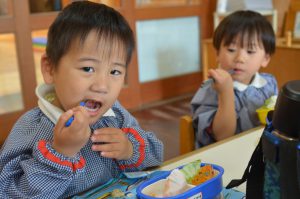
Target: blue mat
column 128, row 187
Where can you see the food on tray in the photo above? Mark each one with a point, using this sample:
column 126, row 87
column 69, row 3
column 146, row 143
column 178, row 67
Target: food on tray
column 195, row 174
column 175, row 184
column 181, row 180
column 205, row 173
column 117, row 193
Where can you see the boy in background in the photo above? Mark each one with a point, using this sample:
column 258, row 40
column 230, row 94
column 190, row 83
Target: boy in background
column 244, row 42
column 61, row 148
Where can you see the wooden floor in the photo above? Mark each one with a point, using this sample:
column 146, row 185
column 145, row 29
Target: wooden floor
column 163, row 119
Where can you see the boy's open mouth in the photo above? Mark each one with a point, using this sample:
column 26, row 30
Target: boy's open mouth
column 91, row 105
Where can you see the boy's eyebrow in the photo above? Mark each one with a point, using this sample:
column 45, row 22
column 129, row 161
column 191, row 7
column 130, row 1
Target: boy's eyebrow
column 98, row 61
column 119, row 64
column 88, row 59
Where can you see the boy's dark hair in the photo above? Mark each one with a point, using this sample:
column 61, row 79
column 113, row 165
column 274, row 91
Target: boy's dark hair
column 245, row 23
column 78, row 19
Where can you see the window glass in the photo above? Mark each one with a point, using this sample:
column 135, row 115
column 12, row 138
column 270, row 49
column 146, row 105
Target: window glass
column 5, row 7
column 168, row 47
column 10, row 88
column 37, row 6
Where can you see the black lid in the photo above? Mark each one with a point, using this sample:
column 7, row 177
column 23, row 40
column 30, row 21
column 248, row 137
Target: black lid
column 292, row 90
column 286, row 116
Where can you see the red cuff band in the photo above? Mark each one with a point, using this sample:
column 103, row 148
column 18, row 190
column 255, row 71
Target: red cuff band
column 141, row 149
column 48, row 155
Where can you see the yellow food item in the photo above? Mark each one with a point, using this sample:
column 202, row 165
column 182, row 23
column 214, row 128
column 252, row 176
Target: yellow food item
column 117, row 193
column 269, row 105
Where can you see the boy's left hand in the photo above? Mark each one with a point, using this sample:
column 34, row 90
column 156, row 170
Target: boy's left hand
column 114, row 143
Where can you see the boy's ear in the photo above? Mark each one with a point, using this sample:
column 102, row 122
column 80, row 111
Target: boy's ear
column 266, row 61
column 47, row 69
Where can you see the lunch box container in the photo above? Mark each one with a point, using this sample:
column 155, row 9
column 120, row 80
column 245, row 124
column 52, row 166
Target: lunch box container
column 210, row 189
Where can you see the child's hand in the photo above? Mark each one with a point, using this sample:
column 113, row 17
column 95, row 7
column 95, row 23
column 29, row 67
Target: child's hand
column 69, row 140
column 114, row 143
column 223, row 80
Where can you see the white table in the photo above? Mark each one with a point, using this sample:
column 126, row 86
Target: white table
column 233, row 154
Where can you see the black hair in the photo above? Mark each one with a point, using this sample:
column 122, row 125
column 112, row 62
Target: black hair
column 246, row 24
column 78, row 19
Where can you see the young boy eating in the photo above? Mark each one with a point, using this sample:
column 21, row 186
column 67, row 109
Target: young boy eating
column 61, row 148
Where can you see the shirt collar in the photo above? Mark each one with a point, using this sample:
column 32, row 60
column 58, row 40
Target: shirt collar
column 257, row 82
column 51, row 111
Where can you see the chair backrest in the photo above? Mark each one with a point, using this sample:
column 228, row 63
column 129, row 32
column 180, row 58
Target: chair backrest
column 186, row 134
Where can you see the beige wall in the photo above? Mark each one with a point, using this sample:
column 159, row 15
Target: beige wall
column 282, row 7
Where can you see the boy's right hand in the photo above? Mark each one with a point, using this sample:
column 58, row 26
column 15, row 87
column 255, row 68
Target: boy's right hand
column 69, row 140
column 223, row 81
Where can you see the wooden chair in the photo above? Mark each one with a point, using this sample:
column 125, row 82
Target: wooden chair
column 186, row 134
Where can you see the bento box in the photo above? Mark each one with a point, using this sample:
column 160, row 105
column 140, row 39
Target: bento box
column 209, row 189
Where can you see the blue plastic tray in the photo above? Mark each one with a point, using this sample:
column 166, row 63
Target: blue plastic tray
column 210, row 189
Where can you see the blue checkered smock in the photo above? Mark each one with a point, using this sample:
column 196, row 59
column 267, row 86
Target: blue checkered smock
column 31, row 168
column 205, row 105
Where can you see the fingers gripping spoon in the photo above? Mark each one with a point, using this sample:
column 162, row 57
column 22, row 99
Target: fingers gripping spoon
column 212, row 80
column 70, row 120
